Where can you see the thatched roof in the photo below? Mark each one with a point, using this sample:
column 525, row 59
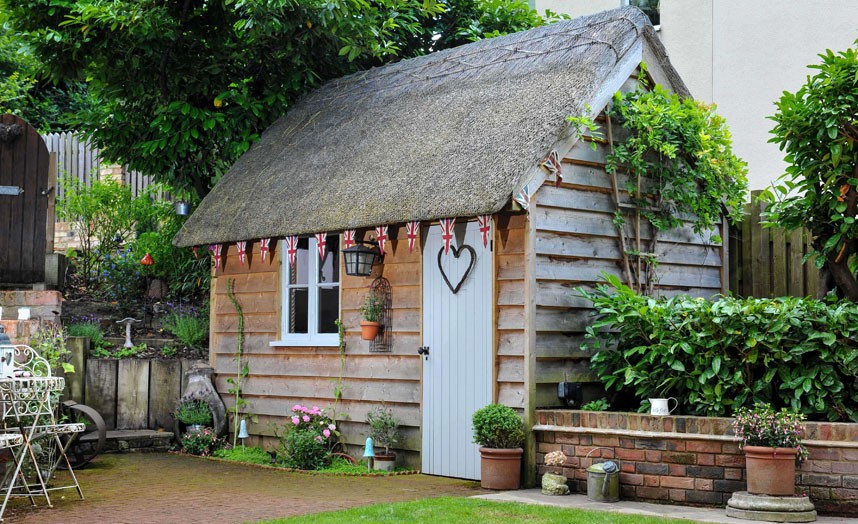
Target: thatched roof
column 449, row 134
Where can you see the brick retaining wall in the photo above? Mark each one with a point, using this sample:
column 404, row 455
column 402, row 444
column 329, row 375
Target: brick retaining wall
column 692, row 460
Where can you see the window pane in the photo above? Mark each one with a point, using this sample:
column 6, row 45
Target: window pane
column 298, row 308
column 329, row 305
column 300, row 272
column 329, row 270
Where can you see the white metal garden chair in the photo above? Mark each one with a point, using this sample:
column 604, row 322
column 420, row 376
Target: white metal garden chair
column 29, row 396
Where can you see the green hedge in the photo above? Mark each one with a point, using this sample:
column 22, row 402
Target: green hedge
column 717, row 356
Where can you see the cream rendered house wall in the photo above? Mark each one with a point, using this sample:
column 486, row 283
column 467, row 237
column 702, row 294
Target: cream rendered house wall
column 742, row 55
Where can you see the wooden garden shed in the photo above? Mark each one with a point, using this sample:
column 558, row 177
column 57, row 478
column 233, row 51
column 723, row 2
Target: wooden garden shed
column 397, row 152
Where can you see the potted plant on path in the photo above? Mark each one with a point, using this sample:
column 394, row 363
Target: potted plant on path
column 772, row 444
column 498, row 431
column 372, row 309
column 384, row 430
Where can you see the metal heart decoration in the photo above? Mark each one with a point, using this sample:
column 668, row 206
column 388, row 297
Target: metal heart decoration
column 456, row 253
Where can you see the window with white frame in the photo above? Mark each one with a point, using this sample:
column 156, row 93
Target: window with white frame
column 311, row 294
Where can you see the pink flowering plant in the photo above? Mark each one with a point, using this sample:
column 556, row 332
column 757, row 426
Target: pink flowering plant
column 763, row 426
column 203, row 442
column 308, row 439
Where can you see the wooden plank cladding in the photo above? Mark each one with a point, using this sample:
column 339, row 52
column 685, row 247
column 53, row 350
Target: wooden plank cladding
column 575, row 242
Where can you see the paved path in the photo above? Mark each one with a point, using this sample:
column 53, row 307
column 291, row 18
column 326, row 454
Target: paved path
column 164, row 488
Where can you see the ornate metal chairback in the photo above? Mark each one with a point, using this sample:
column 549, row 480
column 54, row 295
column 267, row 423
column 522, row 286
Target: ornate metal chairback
column 22, row 361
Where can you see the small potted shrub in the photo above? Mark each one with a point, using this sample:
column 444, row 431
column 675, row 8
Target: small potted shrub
column 194, row 413
column 384, row 430
column 772, row 444
column 372, row 309
column 498, row 431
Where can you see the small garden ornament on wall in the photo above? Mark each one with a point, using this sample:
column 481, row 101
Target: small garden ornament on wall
column 554, row 483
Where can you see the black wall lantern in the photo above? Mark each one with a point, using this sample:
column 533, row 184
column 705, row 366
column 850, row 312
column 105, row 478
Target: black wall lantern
column 359, row 259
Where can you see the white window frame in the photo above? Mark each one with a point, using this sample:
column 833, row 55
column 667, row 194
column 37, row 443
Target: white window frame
column 312, row 337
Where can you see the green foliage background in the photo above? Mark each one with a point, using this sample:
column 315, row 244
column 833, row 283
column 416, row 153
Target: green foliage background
column 181, row 89
column 718, row 356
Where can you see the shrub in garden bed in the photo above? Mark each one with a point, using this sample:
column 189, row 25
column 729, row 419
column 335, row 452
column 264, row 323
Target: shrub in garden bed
column 718, row 356
column 203, row 442
column 308, row 440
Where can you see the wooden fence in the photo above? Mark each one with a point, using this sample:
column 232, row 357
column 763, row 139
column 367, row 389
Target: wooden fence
column 80, row 159
column 766, row 262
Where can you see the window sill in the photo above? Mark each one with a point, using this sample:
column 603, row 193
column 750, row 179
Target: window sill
column 307, row 341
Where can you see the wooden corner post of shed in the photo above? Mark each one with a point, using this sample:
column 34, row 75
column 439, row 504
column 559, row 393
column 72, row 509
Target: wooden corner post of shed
column 529, row 470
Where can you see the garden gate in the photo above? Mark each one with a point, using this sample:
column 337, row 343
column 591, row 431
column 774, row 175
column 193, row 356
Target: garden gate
column 26, row 200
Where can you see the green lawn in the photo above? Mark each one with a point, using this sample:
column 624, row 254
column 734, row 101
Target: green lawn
column 454, row 510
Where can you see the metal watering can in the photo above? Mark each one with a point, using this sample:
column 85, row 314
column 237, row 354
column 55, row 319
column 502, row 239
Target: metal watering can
column 603, row 480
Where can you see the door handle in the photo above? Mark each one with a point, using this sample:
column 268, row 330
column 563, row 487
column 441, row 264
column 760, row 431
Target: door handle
column 423, row 350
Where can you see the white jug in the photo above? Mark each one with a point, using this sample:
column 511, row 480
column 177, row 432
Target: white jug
column 661, row 406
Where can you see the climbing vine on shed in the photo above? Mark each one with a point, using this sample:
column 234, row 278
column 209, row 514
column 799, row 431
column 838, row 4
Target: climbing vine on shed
column 678, row 158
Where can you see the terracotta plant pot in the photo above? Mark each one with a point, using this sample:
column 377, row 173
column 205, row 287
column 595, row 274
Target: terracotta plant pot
column 369, row 330
column 500, row 468
column 770, row 471
column 384, row 462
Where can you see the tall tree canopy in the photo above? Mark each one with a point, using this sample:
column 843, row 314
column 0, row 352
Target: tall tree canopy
column 183, row 87
column 817, row 127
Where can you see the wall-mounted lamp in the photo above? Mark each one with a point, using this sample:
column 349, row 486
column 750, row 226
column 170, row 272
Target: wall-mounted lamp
column 359, row 259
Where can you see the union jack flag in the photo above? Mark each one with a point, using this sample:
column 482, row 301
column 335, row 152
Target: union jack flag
column 216, row 249
column 348, row 238
column 381, row 237
column 523, row 198
column 552, row 165
column 412, row 229
column 321, row 243
column 485, row 222
column 242, row 250
column 263, row 248
column 447, row 232
column 291, row 249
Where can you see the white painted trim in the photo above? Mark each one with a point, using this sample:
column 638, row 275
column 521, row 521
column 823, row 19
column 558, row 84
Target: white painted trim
column 312, row 337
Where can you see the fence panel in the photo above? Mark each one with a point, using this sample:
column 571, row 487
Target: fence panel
column 766, row 262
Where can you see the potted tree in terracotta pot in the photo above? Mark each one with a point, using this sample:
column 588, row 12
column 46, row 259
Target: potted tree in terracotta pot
column 384, row 430
column 372, row 309
column 771, row 441
column 498, row 431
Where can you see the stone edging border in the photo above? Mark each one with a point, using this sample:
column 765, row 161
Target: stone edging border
column 304, row 471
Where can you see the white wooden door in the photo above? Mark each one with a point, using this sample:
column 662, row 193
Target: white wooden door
column 457, row 330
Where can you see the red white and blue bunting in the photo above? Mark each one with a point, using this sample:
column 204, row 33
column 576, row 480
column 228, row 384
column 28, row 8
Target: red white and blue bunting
column 216, row 250
column 321, row 244
column 485, row 222
column 291, row 249
column 551, row 164
column 241, row 245
column 412, row 230
column 263, row 248
column 523, row 198
column 348, row 238
column 447, row 232
column 381, row 237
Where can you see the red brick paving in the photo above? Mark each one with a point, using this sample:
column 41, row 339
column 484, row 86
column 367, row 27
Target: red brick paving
column 165, row 488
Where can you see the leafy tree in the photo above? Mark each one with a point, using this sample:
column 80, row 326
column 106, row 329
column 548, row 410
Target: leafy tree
column 184, row 87
column 817, row 127
column 41, row 103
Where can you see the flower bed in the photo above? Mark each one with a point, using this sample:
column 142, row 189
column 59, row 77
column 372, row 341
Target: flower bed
column 692, row 460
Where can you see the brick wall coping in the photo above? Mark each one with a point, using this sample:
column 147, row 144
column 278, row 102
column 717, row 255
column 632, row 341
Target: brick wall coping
column 683, row 436
column 634, row 433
